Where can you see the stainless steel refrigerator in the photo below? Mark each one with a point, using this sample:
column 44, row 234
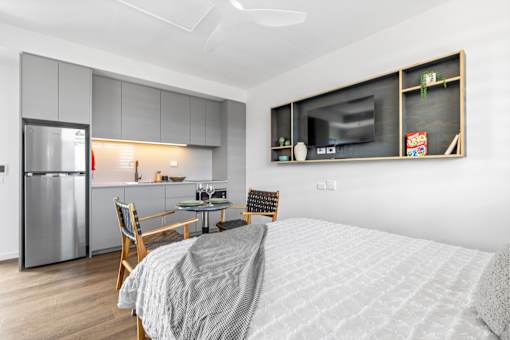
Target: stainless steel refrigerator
column 55, row 194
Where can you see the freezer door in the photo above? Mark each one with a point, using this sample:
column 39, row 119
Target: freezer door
column 51, row 149
column 55, row 218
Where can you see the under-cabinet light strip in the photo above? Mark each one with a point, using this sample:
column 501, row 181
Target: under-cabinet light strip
column 134, row 141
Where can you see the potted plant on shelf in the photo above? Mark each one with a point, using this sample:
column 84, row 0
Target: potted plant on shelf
column 426, row 79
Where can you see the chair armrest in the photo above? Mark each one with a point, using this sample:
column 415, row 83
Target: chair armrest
column 169, row 227
column 160, row 214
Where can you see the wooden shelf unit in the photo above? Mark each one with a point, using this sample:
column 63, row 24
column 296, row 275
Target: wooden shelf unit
column 281, row 147
column 436, row 83
column 441, row 114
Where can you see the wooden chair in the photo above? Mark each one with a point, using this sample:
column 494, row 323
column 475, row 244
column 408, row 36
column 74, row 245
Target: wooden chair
column 131, row 233
column 259, row 203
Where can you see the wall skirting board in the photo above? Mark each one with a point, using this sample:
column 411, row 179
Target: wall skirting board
column 9, row 256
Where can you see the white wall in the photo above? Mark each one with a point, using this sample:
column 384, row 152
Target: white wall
column 9, row 147
column 464, row 201
column 14, row 40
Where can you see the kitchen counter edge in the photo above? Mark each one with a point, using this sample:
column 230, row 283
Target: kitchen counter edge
column 127, row 185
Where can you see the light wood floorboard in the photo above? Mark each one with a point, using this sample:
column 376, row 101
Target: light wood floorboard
column 71, row 300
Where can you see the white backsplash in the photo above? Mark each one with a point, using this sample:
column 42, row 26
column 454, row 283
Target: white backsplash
column 115, row 161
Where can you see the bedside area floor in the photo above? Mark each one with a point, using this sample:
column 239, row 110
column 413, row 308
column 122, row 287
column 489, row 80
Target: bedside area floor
column 70, row 300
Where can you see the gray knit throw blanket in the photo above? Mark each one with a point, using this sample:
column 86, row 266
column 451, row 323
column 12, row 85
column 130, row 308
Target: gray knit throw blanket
column 215, row 287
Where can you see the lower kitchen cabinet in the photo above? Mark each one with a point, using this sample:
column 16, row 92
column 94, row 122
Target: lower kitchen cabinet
column 148, row 200
column 175, row 194
column 104, row 227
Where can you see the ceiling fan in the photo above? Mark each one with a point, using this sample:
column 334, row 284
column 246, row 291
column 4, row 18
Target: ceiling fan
column 232, row 14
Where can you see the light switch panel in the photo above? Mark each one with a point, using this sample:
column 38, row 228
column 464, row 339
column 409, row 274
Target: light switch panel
column 321, row 186
column 174, row 164
column 3, row 173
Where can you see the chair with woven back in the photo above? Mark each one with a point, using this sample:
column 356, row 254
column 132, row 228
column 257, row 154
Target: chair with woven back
column 131, row 233
column 259, row 203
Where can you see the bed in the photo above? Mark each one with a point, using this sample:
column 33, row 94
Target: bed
column 331, row 281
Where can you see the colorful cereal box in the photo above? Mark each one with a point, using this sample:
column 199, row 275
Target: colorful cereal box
column 416, row 144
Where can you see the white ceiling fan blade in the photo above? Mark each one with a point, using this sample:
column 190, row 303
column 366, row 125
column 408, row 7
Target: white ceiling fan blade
column 276, row 17
column 216, row 38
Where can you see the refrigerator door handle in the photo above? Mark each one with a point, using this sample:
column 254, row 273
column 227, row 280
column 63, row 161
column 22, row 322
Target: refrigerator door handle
column 55, row 175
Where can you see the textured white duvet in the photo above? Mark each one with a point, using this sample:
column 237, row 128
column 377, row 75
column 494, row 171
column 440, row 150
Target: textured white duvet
column 332, row 281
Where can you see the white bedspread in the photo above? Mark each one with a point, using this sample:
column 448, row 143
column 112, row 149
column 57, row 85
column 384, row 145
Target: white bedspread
column 332, row 281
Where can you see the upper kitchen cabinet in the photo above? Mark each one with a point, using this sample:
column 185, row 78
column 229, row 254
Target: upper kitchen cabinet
column 39, row 87
column 141, row 113
column 175, row 118
column 55, row 91
column 198, row 108
column 213, row 123
column 106, row 108
column 74, row 93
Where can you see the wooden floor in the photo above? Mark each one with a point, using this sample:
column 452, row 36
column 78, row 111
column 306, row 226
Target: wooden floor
column 71, row 300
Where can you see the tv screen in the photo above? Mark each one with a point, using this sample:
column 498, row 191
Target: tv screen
column 342, row 123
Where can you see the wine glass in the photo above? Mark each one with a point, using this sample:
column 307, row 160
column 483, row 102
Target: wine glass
column 209, row 189
column 200, row 189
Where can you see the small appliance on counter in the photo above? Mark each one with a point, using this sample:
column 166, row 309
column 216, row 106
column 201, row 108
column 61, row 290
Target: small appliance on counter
column 55, row 194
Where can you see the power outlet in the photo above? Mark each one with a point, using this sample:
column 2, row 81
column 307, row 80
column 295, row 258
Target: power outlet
column 321, row 186
column 331, row 150
column 321, row 151
column 331, row 185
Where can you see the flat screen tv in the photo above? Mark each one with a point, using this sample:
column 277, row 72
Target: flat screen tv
column 347, row 122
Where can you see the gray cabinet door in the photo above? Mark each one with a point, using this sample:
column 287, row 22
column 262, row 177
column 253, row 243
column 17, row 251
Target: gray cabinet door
column 106, row 108
column 175, row 118
column 213, row 124
column 141, row 113
column 236, row 154
column 74, row 93
column 39, row 87
column 148, row 200
column 104, row 227
column 198, row 109
column 175, row 194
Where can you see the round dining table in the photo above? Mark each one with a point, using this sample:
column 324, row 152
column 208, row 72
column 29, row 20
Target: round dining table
column 205, row 209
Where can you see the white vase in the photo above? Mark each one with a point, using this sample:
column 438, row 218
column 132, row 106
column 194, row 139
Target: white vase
column 300, row 151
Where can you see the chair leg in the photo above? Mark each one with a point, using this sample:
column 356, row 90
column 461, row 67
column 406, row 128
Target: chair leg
column 124, row 253
column 140, row 333
column 186, row 231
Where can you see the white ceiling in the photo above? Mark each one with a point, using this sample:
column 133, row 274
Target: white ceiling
column 251, row 54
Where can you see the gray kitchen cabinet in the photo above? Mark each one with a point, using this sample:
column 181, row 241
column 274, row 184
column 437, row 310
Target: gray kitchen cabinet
column 104, row 228
column 141, row 113
column 175, row 118
column 213, row 123
column 148, row 200
column 175, row 194
column 181, row 190
column 106, row 108
column 229, row 160
column 74, row 93
column 198, row 108
column 39, row 87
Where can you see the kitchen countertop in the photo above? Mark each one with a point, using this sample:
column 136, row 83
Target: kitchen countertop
column 134, row 184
